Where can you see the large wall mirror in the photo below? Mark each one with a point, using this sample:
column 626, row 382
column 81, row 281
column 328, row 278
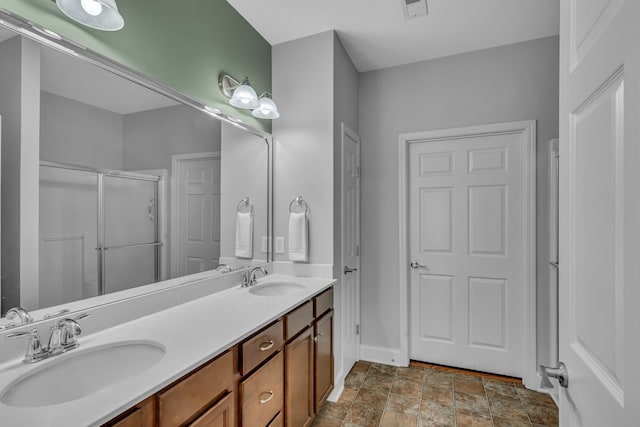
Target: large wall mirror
column 109, row 185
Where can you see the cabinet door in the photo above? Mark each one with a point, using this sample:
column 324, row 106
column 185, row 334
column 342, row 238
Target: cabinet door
column 262, row 394
column 220, row 415
column 298, row 388
column 323, row 359
column 143, row 416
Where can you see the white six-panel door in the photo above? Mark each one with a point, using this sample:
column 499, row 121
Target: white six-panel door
column 350, row 247
column 599, row 212
column 467, row 214
column 196, row 208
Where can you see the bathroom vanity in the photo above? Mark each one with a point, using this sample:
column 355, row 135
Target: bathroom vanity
column 256, row 356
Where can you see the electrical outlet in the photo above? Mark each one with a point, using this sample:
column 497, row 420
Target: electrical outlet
column 265, row 244
column 279, row 244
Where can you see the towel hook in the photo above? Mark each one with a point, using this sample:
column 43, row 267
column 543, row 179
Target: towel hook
column 298, row 201
column 245, row 203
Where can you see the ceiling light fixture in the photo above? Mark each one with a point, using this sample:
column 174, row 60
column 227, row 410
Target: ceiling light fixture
column 242, row 95
column 98, row 14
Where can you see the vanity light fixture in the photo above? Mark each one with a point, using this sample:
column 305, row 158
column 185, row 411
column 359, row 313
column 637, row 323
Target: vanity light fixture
column 242, row 95
column 98, row 14
column 267, row 108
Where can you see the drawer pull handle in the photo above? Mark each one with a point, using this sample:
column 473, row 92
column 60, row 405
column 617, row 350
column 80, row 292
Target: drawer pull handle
column 265, row 400
column 266, row 345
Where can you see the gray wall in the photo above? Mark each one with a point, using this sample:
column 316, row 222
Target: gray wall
column 303, row 146
column 78, row 133
column 152, row 137
column 243, row 173
column 507, row 83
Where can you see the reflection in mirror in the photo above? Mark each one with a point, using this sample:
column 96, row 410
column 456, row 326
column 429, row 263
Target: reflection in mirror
column 108, row 185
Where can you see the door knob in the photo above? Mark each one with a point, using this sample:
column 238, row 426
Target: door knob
column 560, row 373
column 416, row 265
column 348, row 270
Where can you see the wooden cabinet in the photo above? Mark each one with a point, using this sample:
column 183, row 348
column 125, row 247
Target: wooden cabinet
column 279, row 376
column 187, row 398
column 222, row 414
column 323, row 359
column 262, row 393
column 278, row 421
column 259, row 347
column 141, row 415
column 299, row 382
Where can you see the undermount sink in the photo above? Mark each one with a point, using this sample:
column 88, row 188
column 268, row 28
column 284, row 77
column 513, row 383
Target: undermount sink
column 276, row 289
column 79, row 374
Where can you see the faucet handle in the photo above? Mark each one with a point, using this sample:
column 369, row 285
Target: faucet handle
column 69, row 331
column 35, row 352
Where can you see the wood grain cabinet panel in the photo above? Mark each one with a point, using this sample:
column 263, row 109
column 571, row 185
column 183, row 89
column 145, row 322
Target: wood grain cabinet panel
column 323, row 302
column 258, row 348
column 183, row 401
column 323, row 359
column 298, row 319
column 144, row 415
column 299, row 386
column 277, row 421
column 222, row 414
column 262, row 394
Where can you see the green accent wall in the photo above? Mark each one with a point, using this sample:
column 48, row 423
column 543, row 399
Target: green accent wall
column 184, row 44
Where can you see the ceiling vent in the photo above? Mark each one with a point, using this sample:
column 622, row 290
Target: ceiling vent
column 414, row 8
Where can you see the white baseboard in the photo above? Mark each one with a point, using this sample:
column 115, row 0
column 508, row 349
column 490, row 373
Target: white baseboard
column 387, row 356
column 338, row 387
column 303, row 270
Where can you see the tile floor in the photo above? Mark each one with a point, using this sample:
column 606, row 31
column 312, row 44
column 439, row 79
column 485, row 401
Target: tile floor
column 386, row 396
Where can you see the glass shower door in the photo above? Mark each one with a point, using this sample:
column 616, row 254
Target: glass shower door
column 68, row 235
column 130, row 232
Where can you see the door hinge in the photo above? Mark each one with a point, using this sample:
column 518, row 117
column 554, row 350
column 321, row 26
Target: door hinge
column 357, row 171
column 357, row 329
column 357, row 250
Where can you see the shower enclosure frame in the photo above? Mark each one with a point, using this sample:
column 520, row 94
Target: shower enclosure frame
column 101, row 247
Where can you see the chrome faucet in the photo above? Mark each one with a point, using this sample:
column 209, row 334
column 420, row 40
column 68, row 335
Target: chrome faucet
column 63, row 337
column 252, row 274
column 248, row 277
column 21, row 314
column 35, row 352
column 223, row 267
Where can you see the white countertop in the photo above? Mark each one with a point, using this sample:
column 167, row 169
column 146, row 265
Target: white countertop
column 191, row 333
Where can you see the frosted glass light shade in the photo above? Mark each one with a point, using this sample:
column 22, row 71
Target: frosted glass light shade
column 266, row 110
column 98, row 14
column 244, row 97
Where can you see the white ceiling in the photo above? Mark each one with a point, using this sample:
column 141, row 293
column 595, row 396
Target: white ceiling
column 376, row 34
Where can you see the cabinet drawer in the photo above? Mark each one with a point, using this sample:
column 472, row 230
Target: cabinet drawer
column 299, row 319
column 262, row 394
column 323, row 302
column 188, row 397
column 277, row 421
column 262, row 345
column 220, row 415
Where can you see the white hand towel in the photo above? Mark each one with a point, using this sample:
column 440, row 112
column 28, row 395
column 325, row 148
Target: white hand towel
column 244, row 235
column 298, row 237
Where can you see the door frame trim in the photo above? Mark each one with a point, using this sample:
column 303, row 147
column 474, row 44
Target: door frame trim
column 177, row 167
column 528, row 129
